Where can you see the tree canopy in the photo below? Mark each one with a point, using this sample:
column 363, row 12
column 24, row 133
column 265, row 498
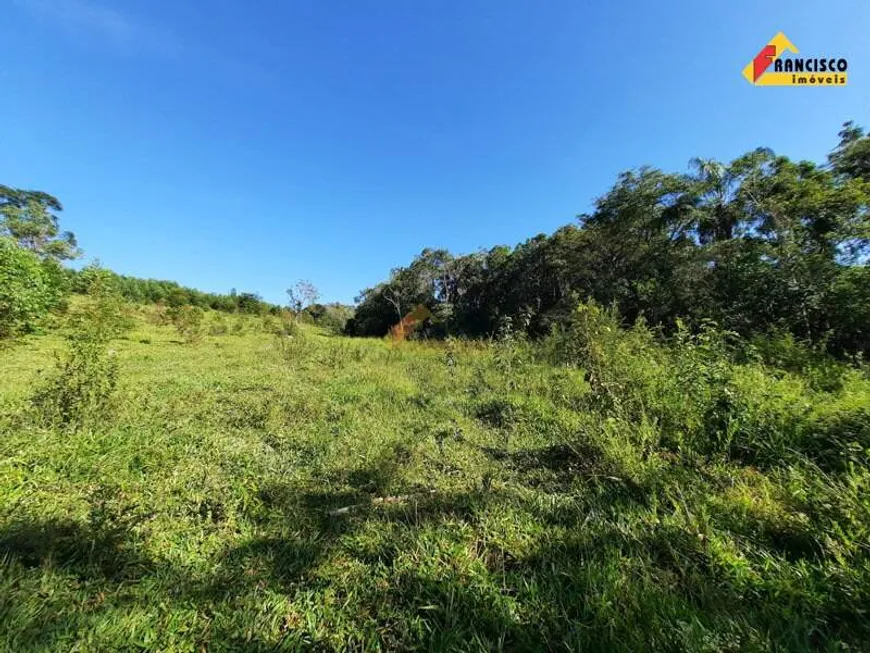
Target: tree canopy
column 30, row 218
column 758, row 243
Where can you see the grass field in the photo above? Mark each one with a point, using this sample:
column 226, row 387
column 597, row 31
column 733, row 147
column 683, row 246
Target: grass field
column 256, row 492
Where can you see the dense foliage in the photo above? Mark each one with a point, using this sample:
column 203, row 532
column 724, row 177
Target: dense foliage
column 333, row 316
column 153, row 291
column 30, row 218
column 32, row 247
column 758, row 244
column 26, row 292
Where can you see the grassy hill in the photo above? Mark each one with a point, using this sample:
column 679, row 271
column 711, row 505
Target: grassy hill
column 250, row 491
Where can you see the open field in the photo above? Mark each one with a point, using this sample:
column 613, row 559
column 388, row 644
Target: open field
column 256, row 492
column 411, row 326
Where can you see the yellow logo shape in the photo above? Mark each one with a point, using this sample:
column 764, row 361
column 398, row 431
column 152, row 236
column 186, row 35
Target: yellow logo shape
column 769, row 69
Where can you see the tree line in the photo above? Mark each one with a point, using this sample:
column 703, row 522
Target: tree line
column 29, row 223
column 170, row 293
column 35, row 280
column 758, row 244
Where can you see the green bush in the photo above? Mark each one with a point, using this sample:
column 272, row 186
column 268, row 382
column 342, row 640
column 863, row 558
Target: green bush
column 103, row 315
column 837, row 432
column 699, row 400
column 26, row 289
column 693, row 396
column 764, row 423
column 188, row 322
column 780, row 349
column 292, row 348
column 219, row 325
column 625, row 368
column 848, row 310
column 80, row 392
column 284, row 324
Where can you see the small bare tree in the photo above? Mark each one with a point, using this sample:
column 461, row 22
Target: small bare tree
column 301, row 295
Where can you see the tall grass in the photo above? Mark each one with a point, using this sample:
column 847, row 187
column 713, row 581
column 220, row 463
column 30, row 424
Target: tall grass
column 604, row 489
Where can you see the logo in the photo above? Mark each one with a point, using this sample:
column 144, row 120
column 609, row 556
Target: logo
column 777, row 65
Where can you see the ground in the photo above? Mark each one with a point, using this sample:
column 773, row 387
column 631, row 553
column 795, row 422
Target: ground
column 262, row 492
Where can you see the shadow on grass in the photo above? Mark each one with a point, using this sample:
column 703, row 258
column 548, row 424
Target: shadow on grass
column 93, row 552
column 594, row 584
column 561, row 468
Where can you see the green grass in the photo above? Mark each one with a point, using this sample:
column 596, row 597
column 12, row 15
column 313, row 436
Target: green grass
column 522, row 511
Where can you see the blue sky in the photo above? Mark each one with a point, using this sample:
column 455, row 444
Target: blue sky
column 249, row 144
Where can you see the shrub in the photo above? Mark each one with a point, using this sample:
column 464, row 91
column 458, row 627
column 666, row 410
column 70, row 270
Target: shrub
column 837, row 433
column 848, row 310
column 764, row 423
column 698, row 400
column 219, row 326
column 103, row 315
column 269, row 324
column 188, row 322
column 623, row 367
column 160, row 315
column 332, row 317
column 26, row 290
column 293, row 347
column 693, row 398
column 782, row 350
column 284, row 324
column 81, row 390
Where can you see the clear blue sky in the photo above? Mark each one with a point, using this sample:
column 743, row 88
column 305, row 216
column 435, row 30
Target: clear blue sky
column 249, row 144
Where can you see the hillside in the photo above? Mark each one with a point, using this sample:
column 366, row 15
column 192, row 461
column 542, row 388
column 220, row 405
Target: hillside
column 434, row 326
column 270, row 492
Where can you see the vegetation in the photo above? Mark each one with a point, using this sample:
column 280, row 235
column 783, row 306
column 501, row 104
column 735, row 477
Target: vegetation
column 758, row 244
column 80, row 391
column 302, row 294
column 333, row 317
column 30, row 218
column 658, row 437
column 26, row 293
column 151, row 291
column 32, row 281
column 188, row 321
column 600, row 489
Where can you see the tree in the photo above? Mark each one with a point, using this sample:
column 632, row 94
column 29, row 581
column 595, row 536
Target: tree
column 302, row 294
column 333, row 317
column 640, row 242
column 28, row 217
column 393, row 296
column 26, row 291
column 851, row 158
column 251, row 303
column 715, row 187
column 761, row 242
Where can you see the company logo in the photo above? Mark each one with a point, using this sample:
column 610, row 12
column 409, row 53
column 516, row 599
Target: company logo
column 777, row 65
